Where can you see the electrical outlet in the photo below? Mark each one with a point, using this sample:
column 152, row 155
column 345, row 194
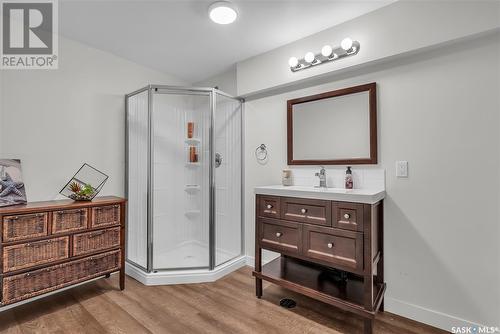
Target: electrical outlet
column 402, row 168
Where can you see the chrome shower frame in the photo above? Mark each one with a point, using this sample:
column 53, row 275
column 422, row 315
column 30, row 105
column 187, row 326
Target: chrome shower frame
column 212, row 92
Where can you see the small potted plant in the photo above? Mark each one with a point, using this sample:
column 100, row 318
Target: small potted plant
column 81, row 193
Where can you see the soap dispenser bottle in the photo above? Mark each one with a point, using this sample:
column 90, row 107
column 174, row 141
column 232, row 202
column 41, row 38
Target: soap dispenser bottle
column 348, row 178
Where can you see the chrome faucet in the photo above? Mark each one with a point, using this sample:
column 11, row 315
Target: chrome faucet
column 322, row 177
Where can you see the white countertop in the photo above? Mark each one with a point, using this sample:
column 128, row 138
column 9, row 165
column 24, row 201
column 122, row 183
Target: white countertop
column 367, row 196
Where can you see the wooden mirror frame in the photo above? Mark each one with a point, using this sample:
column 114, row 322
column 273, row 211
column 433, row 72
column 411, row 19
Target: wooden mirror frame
column 371, row 88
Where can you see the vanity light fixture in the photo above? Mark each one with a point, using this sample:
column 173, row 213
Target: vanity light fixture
column 347, row 48
column 222, row 12
column 309, row 57
column 293, row 61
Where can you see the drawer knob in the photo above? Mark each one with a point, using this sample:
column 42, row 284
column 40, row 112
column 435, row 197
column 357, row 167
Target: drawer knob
column 303, row 210
column 330, row 245
column 347, row 216
column 279, row 234
column 269, row 206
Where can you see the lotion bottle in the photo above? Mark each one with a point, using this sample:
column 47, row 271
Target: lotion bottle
column 348, row 178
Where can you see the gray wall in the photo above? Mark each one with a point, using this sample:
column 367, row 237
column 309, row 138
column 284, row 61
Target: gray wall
column 439, row 111
column 391, row 31
column 56, row 120
column 226, row 81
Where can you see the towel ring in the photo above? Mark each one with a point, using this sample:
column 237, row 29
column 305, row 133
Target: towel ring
column 261, row 152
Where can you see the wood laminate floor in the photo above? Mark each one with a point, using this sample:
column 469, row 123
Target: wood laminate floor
column 226, row 306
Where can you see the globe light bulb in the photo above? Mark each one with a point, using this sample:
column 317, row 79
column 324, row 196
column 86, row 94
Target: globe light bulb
column 346, row 43
column 326, row 51
column 293, row 62
column 309, row 57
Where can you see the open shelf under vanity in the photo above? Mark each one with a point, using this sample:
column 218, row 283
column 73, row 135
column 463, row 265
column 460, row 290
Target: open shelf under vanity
column 318, row 282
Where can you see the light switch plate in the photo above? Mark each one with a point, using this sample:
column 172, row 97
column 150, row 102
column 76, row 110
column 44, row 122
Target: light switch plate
column 402, row 168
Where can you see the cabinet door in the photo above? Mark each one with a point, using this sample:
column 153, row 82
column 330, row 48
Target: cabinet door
column 24, row 226
column 279, row 235
column 334, row 246
column 69, row 220
column 311, row 211
column 268, row 206
column 348, row 216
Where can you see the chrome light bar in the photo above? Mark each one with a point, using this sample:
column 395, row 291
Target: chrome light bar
column 347, row 48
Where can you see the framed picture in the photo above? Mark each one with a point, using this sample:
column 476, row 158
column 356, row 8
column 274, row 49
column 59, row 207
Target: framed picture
column 12, row 189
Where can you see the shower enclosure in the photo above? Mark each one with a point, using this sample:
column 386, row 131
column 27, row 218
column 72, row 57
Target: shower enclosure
column 184, row 185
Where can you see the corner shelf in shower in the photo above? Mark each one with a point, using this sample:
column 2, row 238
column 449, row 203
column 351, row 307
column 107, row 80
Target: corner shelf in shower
column 192, row 213
column 191, row 188
column 192, row 164
column 192, row 141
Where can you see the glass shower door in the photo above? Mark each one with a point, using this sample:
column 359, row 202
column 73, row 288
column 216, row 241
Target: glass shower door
column 228, row 174
column 181, row 179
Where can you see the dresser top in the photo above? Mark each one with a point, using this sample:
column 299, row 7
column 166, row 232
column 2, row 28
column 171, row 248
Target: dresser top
column 366, row 196
column 59, row 204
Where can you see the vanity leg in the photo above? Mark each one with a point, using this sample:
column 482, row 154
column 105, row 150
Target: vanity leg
column 380, row 265
column 368, row 326
column 258, row 268
column 258, row 288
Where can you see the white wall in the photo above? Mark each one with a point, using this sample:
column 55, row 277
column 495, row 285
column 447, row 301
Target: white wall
column 1, row 110
column 394, row 30
column 439, row 111
column 56, row 120
column 226, row 81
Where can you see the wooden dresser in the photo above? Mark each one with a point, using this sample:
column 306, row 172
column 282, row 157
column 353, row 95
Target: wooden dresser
column 46, row 246
column 314, row 236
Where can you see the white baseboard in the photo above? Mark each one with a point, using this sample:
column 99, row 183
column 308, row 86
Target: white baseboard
column 267, row 257
column 415, row 312
column 427, row 316
column 184, row 276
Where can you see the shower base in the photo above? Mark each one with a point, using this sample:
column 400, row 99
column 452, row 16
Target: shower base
column 191, row 254
column 184, row 276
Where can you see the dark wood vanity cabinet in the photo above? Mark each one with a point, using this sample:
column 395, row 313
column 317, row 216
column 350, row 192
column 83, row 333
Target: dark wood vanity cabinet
column 316, row 236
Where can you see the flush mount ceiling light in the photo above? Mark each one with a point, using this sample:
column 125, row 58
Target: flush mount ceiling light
column 222, row 12
column 347, row 48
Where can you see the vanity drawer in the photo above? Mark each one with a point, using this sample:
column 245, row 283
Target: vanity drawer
column 105, row 216
column 91, row 242
column 310, row 211
column 24, row 226
column 31, row 254
column 348, row 216
column 334, row 246
column 34, row 283
column 268, row 206
column 279, row 235
column 69, row 220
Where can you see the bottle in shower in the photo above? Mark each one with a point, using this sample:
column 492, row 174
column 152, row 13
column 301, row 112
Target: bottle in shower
column 348, row 178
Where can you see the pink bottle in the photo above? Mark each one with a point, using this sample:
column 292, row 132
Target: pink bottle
column 348, row 179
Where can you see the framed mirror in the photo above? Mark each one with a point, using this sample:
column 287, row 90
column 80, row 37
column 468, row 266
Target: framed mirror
column 333, row 128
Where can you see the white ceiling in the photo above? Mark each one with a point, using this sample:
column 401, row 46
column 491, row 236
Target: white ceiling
column 178, row 38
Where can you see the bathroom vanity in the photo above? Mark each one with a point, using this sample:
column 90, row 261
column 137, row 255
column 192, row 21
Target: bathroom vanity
column 321, row 232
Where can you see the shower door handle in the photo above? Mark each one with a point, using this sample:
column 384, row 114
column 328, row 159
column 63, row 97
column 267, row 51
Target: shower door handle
column 218, row 159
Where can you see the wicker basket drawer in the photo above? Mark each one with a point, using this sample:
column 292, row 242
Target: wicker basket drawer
column 23, row 286
column 31, row 254
column 69, row 220
column 91, row 242
column 24, row 226
column 105, row 215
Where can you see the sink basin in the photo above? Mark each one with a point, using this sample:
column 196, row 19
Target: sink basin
column 368, row 196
